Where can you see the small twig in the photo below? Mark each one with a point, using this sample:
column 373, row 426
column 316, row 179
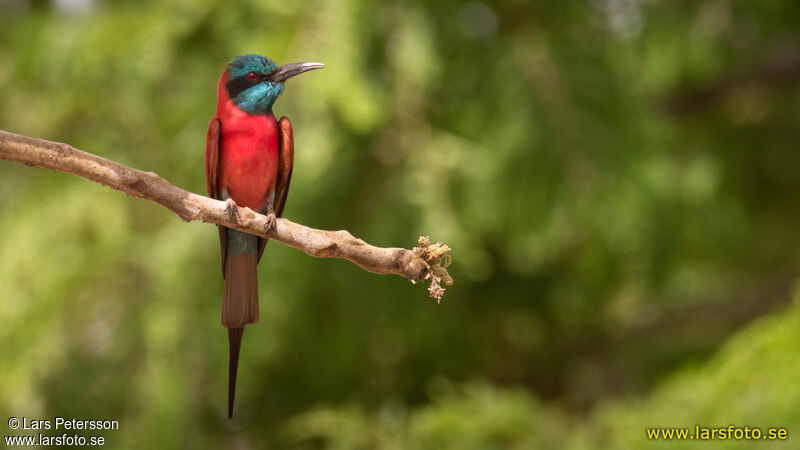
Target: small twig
column 424, row 262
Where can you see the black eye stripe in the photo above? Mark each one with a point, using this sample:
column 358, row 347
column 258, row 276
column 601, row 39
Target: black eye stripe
column 234, row 86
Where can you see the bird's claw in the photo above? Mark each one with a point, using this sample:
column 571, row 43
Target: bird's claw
column 272, row 221
column 231, row 208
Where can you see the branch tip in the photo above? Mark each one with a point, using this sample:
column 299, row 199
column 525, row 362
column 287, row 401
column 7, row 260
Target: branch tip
column 437, row 258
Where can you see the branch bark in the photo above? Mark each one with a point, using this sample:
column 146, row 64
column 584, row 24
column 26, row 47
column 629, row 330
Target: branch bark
column 428, row 261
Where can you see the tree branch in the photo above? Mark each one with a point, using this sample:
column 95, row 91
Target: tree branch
column 426, row 262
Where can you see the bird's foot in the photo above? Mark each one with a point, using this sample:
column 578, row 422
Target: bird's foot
column 272, row 221
column 232, row 208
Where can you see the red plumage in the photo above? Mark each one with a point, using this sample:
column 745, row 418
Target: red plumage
column 249, row 148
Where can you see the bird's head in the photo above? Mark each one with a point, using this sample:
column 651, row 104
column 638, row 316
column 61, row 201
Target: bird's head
column 255, row 81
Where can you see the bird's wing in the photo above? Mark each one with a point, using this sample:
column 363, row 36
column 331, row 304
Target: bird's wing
column 212, row 170
column 285, row 165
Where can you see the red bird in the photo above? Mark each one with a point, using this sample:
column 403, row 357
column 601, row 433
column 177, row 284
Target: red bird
column 249, row 159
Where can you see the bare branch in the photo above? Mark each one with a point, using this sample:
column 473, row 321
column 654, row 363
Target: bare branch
column 420, row 263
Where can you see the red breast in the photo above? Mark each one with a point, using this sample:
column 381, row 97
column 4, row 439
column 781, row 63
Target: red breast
column 248, row 152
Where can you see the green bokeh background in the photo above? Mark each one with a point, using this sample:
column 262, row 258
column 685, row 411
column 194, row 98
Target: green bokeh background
column 618, row 180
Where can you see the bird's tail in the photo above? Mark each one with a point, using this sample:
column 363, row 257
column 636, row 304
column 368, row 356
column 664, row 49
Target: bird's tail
column 240, row 299
column 235, row 342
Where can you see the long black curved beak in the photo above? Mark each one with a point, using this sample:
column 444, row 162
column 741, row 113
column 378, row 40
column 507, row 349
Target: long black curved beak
column 287, row 71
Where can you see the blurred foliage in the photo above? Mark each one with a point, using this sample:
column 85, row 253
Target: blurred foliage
column 617, row 179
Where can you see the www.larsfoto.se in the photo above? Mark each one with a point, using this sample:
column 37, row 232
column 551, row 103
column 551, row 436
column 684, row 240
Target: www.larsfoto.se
column 718, row 433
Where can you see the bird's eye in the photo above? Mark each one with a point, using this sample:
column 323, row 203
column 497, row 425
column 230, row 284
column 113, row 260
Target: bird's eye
column 252, row 76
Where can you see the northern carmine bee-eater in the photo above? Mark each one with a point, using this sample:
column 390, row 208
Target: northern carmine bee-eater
column 249, row 158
